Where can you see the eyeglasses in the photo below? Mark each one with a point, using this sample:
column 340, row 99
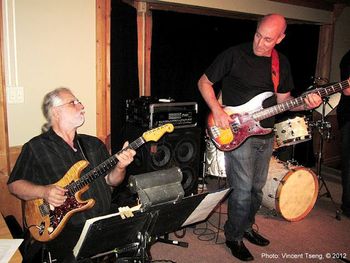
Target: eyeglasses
column 72, row 102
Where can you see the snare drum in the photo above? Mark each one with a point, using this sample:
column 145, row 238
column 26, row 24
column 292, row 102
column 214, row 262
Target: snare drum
column 290, row 190
column 292, row 131
column 214, row 160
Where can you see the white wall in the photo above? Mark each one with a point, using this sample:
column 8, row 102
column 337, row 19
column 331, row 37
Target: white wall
column 56, row 43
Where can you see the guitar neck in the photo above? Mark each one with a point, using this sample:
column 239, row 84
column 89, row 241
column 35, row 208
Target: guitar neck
column 290, row 104
column 102, row 169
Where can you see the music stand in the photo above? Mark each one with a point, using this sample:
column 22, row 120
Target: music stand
column 191, row 210
column 111, row 234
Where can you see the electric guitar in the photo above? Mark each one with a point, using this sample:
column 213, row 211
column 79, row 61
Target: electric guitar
column 246, row 117
column 45, row 222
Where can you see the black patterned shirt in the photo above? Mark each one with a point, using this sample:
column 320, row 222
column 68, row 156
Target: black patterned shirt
column 46, row 158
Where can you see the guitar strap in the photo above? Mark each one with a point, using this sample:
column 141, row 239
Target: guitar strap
column 275, row 69
column 81, row 147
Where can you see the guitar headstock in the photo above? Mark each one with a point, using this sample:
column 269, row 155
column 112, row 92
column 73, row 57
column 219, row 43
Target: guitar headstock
column 156, row 133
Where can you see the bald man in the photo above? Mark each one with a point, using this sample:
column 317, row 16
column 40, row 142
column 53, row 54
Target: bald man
column 246, row 71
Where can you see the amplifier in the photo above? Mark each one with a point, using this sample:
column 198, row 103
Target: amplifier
column 149, row 113
column 180, row 114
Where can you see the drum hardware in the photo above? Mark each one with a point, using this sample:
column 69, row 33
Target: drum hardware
column 278, row 180
column 202, row 184
column 292, row 162
column 323, row 127
column 271, row 196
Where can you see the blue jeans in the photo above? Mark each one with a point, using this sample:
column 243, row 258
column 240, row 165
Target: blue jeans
column 246, row 170
column 345, row 152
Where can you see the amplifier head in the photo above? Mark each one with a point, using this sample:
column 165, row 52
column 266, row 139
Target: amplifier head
column 181, row 114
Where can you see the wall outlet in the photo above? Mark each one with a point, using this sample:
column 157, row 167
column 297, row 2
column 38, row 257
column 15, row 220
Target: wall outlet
column 15, row 94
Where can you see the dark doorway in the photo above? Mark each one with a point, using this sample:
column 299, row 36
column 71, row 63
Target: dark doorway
column 183, row 46
column 124, row 78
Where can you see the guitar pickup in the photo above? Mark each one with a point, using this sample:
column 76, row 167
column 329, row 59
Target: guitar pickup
column 44, row 209
column 235, row 124
column 215, row 131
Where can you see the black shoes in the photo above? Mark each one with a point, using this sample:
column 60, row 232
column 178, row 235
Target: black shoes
column 255, row 238
column 239, row 250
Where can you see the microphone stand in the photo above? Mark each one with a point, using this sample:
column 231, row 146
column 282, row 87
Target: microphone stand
column 323, row 129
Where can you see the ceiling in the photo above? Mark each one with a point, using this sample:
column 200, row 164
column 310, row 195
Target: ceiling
column 319, row 4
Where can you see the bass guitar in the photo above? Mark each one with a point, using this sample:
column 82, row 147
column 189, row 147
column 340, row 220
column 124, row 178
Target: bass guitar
column 45, row 222
column 247, row 117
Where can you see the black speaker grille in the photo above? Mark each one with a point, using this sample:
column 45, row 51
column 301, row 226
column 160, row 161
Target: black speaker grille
column 161, row 156
column 180, row 148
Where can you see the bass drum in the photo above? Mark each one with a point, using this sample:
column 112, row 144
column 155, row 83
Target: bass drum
column 290, row 190
column 214, row 160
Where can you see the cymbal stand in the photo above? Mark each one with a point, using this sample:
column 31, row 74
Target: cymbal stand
column 323, row 128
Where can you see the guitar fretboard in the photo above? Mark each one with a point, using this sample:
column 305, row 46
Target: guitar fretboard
column 290, row 104
column 101, row 169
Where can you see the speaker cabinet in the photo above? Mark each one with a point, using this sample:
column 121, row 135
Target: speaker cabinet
column 180, row 148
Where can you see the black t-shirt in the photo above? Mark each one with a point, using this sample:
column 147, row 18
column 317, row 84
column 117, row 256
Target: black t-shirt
column 245, row 75
column 343, row 109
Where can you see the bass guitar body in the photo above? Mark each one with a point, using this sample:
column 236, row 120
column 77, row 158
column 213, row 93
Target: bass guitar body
column 243, row 126
column 247, row 117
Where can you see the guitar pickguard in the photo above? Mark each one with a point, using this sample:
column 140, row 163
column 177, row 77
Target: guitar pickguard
column 242, row 126
column 58, row 213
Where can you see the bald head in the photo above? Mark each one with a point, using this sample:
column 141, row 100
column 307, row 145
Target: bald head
column 269, row 32
column 274, row 20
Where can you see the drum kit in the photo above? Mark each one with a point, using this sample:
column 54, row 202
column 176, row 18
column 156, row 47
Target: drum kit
column 291, row 190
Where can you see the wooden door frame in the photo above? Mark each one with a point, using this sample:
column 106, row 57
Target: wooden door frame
column 103, row 80
column 4, row 138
